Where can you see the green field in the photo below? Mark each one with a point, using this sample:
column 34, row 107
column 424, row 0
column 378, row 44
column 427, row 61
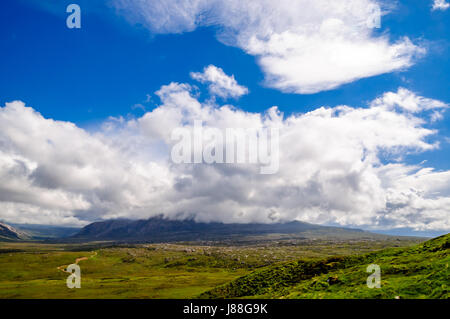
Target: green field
column 190, row 270
column 420, row 271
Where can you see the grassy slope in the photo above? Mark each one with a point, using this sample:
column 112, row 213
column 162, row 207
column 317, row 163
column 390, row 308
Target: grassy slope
column 416, row 272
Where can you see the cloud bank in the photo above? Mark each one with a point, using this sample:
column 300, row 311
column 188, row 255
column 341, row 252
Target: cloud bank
column 302, row 46
column 338, row 165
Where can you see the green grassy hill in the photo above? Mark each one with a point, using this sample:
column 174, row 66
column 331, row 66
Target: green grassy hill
column 417, row 272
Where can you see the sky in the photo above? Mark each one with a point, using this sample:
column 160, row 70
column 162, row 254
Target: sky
column 86, row 114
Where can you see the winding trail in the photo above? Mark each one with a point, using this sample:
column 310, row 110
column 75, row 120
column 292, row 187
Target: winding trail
column 63, row 267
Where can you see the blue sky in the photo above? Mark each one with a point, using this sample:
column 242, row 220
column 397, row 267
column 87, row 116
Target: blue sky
column 110, row 65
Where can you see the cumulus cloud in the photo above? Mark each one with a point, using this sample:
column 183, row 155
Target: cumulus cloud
column 330, row 168
column 55, row 169
column 302, row 46
column 440, row 5
column 219, row 84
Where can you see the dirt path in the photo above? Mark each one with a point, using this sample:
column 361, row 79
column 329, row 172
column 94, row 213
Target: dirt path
column 63, row 267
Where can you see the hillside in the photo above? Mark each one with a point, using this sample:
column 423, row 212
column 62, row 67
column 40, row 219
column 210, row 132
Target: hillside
column 417, row 272
column 8, row 233
column 159, row 229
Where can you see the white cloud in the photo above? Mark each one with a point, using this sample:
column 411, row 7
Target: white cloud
column 56, row 167
column 302, row 46
column 219, row 84
column 330, row 167
column 410, row 102
column 440, row 5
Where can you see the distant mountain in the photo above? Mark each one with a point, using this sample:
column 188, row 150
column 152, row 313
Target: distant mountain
column 411, row 232
column 38, row 232
column 161, row 229
column 10, row 233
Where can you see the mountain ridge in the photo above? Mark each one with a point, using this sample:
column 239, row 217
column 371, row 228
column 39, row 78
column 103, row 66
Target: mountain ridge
column 161, row 229
column 8, row 232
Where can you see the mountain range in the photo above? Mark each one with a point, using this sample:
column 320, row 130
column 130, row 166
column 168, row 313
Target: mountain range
column 160, row 229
